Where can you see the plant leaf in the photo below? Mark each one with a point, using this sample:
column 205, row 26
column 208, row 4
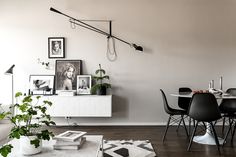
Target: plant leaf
column 100, row 71
column 27, row 99
column 106, row 77
column 45, row 135
column 35, row 142
column 47, row 102
column 5, row 150
column 4, row 114
column 18, row 94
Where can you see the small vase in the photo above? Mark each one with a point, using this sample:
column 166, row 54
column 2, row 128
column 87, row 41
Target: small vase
column 28, row 149
column 101, row 91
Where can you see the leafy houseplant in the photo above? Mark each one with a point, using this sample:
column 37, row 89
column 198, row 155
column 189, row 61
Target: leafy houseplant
column 27, row 125
column 100, row 87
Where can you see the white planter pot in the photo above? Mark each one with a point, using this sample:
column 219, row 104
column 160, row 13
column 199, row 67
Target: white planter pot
column 28, row 149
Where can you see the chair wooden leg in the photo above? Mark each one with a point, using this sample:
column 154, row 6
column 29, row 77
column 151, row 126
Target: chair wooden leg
column 227, row 133
column 216, row 138
column 167, row 126
column 182, row 117
column 191, row 139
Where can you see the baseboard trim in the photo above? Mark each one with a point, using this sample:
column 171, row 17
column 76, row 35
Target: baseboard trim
column 111, row 124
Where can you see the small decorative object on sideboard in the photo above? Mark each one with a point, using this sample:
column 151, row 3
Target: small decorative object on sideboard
column 100, row 87
column 70, row 140
column 27, row 125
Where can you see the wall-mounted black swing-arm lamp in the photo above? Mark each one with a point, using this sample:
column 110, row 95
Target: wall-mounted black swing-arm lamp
column 92, row 28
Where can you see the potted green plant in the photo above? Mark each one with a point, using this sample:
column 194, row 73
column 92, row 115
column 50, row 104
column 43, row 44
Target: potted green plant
column 27, row 124
column 100, row 87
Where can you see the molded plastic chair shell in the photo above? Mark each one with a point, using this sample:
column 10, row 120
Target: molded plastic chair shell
column 229, row 105
column 184, row 103
column 168, row 109
column 204, row 107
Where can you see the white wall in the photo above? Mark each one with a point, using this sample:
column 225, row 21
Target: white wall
column 186, row 43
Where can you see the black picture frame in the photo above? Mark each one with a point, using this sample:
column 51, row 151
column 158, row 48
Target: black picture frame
column 65, row 74
column 56, row 47
column 41, row 84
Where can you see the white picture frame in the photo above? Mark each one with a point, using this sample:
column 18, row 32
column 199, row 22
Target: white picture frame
column 41, row 84
column 84, row 84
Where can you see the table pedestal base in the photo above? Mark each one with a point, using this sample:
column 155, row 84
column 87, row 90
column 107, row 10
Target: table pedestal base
column 208, row 139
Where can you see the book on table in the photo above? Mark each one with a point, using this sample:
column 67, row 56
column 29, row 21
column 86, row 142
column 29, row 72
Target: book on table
column 69, row 140
column 69, row 145
column 70, row 136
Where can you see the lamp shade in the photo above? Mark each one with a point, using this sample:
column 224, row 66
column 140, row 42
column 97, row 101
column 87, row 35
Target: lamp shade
column 138, row 48
column 10, row 70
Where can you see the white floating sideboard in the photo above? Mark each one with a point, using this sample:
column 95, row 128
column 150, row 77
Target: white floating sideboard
column 80, row 106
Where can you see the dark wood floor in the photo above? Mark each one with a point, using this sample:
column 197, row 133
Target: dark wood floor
column 175, row 144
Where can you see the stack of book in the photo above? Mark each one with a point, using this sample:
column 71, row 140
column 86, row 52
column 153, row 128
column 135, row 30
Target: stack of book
column 69, row 140
column 66, row 93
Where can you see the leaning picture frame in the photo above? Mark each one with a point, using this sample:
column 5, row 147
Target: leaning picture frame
column 84, row 84
column 41, row 84
column 65, row 74
column 56, row 47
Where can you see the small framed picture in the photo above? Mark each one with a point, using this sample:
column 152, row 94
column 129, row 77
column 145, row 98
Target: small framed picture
column 41, row 84
column 66, row 72
column 84, row 83
column 56, row 47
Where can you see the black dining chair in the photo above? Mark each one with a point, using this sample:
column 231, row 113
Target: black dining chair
column 232, row 126
column 204, row 108
column 228, row 107
column 184, row 103
column 228, row 110
column 173, row 113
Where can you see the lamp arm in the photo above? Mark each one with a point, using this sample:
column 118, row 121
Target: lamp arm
column 56, row 11
column 92, row 28
column 104, row 33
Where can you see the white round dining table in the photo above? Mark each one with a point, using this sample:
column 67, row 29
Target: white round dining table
column 207, row 138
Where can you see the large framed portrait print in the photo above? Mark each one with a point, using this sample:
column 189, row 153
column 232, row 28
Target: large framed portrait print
column 65, row 74
column 56, row 47
column 41, row 84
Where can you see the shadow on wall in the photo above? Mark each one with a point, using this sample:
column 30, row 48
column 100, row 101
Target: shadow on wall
column 147, row 50
column 120, row 107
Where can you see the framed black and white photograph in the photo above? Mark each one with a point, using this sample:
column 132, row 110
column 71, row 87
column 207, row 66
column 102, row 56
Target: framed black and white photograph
column 41, row 84
column 65, row 73
column 84, row 83
column 56, row 47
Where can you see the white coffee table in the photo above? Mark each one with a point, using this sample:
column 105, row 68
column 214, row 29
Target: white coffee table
column 90, row 148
